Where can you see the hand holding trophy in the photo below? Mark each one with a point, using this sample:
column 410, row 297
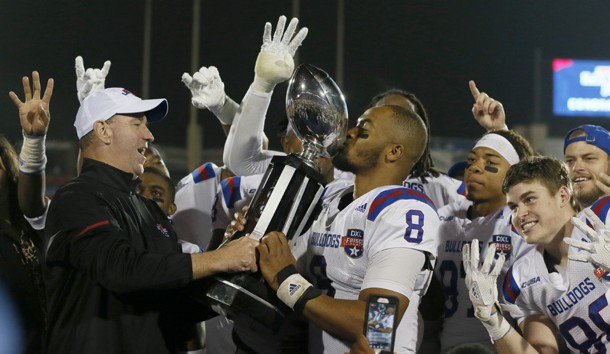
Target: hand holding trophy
column 289, row 192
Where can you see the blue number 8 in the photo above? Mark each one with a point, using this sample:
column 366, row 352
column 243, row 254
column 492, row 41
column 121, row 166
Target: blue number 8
column 415, row 222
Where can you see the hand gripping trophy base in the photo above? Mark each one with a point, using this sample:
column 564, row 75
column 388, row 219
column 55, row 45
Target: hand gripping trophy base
column 286, row 201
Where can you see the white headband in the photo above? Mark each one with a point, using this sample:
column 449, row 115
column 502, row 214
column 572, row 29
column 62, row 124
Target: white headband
column 501, row 145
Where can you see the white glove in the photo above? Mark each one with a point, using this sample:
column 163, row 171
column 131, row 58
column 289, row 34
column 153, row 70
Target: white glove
column 90, row 80
column 275, row 61
column 598, row 248
column 481, row 283
column 208, row 91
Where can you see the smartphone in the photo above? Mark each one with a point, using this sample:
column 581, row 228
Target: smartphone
column 380, row 323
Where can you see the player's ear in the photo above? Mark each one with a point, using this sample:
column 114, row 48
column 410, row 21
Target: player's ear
column 564, row 195
column 395, row 152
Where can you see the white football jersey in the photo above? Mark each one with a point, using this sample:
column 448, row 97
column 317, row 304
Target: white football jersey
column 340, row 246
column 342, row 175
column 460, row 325
column 195, row 195
column 442, row 190
column 234, row 193
column 575, row 298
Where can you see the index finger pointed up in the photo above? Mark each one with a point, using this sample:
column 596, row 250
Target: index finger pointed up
column 473, row 89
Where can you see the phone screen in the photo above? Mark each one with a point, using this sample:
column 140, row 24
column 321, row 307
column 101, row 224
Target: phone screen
column 381, row 323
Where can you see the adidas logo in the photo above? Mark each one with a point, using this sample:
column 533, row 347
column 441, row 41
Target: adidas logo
column 294, row 288
column 361, row 208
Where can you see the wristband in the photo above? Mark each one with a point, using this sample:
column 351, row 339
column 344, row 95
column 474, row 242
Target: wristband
column 294, row 290
column 286, row 272
column 32, row 158
column 497, row 327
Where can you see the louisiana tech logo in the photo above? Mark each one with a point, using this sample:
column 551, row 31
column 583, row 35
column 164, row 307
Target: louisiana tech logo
column 352, row 243
column 503, row 244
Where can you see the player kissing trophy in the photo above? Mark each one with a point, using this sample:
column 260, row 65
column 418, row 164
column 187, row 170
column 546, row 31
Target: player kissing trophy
column 288, row 193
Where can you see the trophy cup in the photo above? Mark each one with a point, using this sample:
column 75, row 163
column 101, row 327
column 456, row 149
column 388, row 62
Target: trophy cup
column 288, row 193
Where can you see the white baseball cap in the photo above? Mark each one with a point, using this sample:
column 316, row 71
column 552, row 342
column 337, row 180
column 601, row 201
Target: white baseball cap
column 102, row 105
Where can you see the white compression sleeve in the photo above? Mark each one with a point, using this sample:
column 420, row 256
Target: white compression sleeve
column 243, row 153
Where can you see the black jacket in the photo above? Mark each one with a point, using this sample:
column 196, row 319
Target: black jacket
column 114, row 272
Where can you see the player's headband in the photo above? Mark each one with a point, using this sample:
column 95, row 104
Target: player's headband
column 501, row 145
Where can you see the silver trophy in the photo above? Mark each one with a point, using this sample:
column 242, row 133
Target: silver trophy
column 288, row 194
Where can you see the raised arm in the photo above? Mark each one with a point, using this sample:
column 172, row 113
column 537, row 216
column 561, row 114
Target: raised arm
column 34, row 117
column 487, row 111
column 90, row 80
column 208, row 92
column 243, row 152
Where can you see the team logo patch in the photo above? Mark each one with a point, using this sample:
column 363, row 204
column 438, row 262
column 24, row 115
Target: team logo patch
column 503, row 244
column 163, row 230
column 352, row 243
column 600, row 273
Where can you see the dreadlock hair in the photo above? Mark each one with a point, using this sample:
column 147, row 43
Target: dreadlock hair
column 521, row 145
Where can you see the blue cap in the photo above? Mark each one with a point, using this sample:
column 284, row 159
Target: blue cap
column 457, row 169
column 594, row 135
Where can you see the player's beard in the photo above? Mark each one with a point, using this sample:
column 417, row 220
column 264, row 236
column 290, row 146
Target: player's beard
column 366, row 159
column 587, row 197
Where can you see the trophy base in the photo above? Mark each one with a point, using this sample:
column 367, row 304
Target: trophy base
column 287, row 201
column 244, row 297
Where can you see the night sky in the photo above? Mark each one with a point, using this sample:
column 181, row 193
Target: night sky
column 431, row 48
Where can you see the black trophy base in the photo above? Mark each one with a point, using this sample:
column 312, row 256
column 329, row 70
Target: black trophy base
column 286, row 200
column 246, row 297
